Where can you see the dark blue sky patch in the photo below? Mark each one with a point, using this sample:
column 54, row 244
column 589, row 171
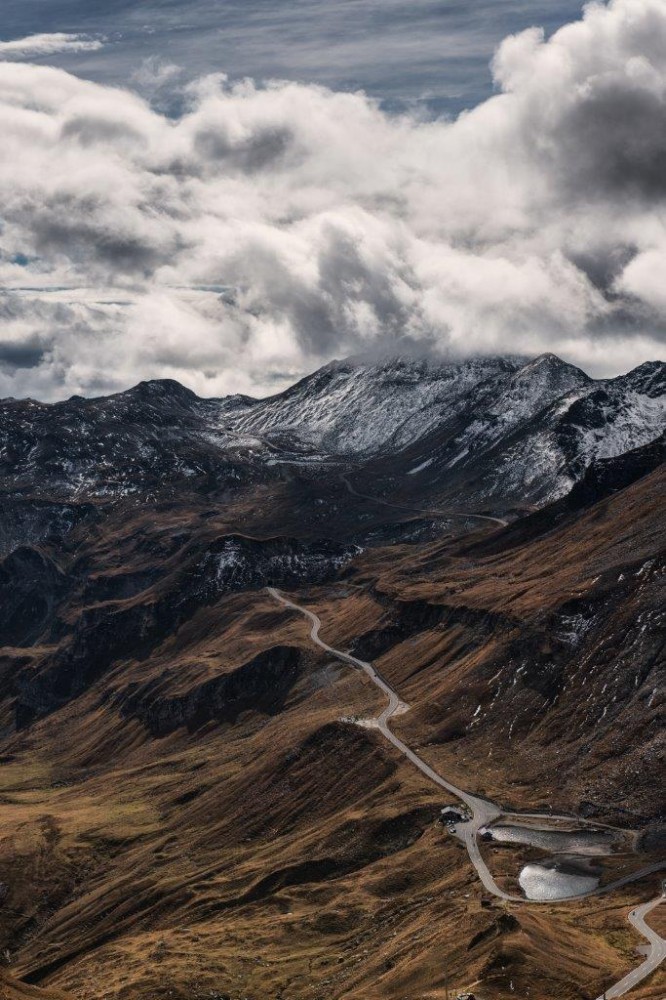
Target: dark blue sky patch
column 435, row 52
column 27, row 354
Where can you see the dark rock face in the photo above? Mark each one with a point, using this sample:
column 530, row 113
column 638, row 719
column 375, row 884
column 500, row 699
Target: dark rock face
column 409, row 618
column 506, row 923
column 406, row 620
column 239, row 563
column 262, row 685
column 649, row 379
column 31, row 521
column 30, row 587
column 150, row 438
column 608, row 475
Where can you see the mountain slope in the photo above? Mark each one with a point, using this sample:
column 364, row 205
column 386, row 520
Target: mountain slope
column 556, row 638
column 529, row 443
column 361, row 408
column 154, row 438
column 190, row 792
column 196, row 801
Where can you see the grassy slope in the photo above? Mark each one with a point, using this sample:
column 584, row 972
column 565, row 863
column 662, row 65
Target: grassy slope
column 296, row 856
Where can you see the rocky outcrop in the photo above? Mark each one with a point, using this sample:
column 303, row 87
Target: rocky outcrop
column 261, row 685
column 26, row 521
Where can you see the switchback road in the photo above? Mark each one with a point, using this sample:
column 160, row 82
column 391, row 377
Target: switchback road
column 656, row 954
column 483, row 811
column 420, row 510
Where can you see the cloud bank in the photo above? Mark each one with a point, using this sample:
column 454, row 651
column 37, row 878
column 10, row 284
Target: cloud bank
column 268, row 229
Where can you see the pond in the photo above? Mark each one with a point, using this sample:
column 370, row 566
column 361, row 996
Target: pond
column 557, row 879
column 585, row 842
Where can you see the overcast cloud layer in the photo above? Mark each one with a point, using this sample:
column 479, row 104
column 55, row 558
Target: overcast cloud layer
column 264, row 231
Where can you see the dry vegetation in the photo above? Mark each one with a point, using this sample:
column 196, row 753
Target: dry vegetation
column 291, row 855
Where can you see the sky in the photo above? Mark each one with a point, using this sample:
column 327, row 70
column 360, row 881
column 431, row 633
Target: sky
column 434, row 52
column 231, row 193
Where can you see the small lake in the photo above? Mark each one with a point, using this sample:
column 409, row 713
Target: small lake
column 555, row 880
column 586, row 842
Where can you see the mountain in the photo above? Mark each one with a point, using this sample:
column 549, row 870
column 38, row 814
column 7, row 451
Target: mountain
column 528, row 436
column 562, row 625
column 360, row 408
column 141, row 440
column 198, row 801
column 532, row 427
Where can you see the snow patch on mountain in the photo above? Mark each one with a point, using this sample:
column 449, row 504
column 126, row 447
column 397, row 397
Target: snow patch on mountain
column 359, row 407
column 516, row 403
column 481, row 427
column 609, row 419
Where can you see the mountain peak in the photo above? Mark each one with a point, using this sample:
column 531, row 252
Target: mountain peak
column 554, row 362
column 162, row 390
column 648, row 379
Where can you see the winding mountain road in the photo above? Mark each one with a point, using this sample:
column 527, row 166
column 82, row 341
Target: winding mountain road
column 386, row 503
column 419, row 510
column 482, row 810
column 656, row 955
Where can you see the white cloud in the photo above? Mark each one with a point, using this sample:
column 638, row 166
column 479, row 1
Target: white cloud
column 535, row 221
column 48, row 44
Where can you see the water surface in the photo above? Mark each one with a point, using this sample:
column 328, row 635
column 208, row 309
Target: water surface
column 543, row 881
column 584, row 842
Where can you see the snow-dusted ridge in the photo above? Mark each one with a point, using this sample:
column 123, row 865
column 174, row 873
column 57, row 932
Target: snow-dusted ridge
column 485, row 427
column 358, row 407
column 536, row 424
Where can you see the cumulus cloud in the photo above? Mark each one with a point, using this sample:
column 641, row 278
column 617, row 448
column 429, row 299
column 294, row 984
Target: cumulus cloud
column 267, row 229
column 34, row 46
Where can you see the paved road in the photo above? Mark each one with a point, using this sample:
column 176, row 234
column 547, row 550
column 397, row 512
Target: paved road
column 656, row 955
column 484, row 812
column 420, row 510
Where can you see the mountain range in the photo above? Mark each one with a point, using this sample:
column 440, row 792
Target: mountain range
column 535, row 425
column 200, row 802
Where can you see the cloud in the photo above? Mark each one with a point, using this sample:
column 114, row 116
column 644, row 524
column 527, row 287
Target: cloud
column 154, row 73
column 267, row 229
column 35, row 46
